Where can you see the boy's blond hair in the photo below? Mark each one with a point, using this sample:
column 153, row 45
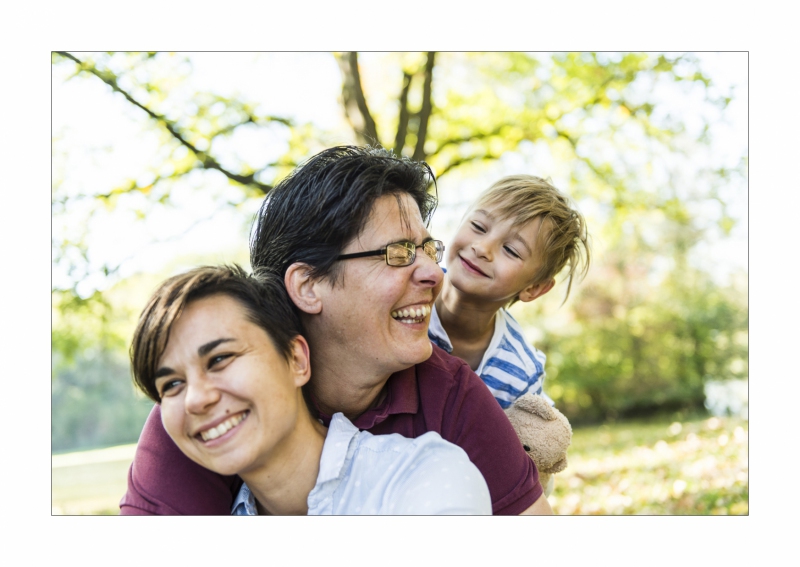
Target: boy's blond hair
column 562, row 239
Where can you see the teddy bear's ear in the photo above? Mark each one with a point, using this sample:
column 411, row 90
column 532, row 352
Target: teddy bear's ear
column 559, row 466
column 536, row 405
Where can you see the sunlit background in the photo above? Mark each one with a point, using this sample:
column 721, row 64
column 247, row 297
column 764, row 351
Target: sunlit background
column 160, row 161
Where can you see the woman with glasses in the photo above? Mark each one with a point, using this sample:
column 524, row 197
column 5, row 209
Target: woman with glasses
column 346, row 232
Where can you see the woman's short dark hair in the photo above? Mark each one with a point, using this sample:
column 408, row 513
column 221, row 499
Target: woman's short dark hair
column 263, row 297
column 313, row 213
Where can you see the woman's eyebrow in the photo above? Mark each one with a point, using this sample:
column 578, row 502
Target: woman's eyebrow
column 208, row 347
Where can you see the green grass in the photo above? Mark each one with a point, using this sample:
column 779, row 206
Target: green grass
column 90, row 482
column 691, row 466
column 695, row 466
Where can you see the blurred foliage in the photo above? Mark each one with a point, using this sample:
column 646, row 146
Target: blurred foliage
column 646, row 329
column 94, row 404
column 635, row 347
column 450, row 109
column 691, row 466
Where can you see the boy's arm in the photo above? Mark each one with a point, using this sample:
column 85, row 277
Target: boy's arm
column 531, row 361
column 164, row 481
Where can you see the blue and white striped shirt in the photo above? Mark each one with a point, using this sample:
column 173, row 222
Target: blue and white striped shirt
column 510, row 366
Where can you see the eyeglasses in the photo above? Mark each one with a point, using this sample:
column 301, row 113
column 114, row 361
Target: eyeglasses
column 403, row 253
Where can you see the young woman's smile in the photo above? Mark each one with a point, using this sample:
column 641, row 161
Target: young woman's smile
column 217, row 403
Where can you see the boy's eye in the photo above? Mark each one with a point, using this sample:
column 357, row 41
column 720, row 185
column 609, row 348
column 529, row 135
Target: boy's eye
column 478, row 227
column 511, row 251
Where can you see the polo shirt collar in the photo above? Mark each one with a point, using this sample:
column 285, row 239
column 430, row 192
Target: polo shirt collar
column 402, row 396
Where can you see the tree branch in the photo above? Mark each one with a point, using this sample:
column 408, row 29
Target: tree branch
column 207, row 161
column 473, row 136
column 462, row 160
column 355, row 103
column 402, row 121
column 425, row 110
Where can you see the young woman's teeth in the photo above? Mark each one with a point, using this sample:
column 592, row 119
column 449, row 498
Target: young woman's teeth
column 413, row 315
column 223, row 427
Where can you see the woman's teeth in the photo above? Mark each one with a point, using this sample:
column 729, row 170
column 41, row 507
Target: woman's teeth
column 223, row 427
column 413, row 315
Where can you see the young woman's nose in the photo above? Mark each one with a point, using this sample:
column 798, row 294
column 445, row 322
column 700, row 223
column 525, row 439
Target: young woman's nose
column 201, row 394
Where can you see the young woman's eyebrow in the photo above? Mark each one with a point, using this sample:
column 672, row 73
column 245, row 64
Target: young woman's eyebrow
column 208, row 347
column 163, row 371
column 202, row 351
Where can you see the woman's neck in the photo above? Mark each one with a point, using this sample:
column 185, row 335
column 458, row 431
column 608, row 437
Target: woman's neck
column 282, row 485
column 339, row 392
column 344, row 381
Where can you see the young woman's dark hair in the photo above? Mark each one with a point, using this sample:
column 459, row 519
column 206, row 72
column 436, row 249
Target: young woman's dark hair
column 262, row 295
column 312, row 214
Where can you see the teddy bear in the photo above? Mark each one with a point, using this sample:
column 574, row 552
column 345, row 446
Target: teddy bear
column 545, row 434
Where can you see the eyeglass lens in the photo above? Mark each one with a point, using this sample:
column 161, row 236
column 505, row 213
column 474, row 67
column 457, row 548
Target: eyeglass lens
column 403, row 253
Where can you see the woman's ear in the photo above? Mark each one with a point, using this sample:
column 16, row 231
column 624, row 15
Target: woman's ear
column 300, row 361
column 533, row 291
column 302, row 288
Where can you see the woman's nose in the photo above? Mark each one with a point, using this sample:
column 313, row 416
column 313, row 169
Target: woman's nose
column 201, row 394
column 427, row 271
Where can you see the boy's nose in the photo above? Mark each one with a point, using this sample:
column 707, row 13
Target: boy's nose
column 482, row 250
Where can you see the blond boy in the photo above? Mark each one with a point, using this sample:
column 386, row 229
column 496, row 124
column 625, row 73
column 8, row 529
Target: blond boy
column 513, row 241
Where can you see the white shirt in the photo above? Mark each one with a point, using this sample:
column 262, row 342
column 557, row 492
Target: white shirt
column 362, row 473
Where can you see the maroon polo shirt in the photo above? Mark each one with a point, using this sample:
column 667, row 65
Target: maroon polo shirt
column 441, row 394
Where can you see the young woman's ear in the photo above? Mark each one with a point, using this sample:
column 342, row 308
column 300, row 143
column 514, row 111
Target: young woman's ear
column 300, row 361
column 302, row 289
column 533, row 291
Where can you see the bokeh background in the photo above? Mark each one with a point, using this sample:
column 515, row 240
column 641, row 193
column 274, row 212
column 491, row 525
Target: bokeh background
column 160, row 161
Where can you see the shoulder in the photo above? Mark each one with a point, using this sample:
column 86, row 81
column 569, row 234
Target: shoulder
column 444, row 376
column 455, row 402
column 443, row 365
column 436, row 332
column 164, row 481
column 514, row 345
column 453, row 396
column 437, row 477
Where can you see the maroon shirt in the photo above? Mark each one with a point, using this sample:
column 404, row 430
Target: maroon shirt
column 442, row 394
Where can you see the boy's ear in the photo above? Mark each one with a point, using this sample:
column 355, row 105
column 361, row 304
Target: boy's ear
column 300, row 361
column 533, row 291
column 302, row 288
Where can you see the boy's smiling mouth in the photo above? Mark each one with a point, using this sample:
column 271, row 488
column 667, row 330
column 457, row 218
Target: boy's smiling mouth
column 472, row 267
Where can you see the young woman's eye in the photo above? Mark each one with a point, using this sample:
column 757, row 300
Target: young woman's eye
column 478, row 227
column 511, row 251
column 170, row 387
